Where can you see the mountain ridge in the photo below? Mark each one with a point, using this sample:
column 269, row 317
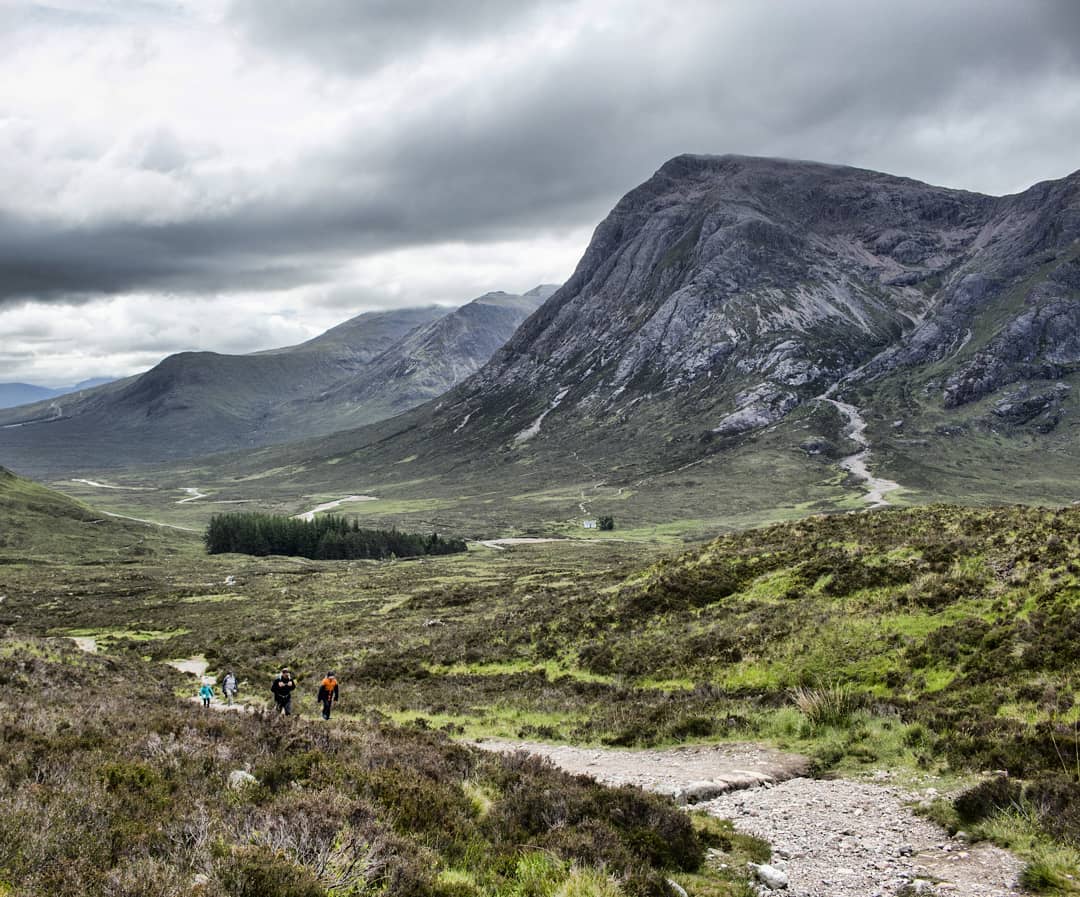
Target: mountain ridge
column 194, row 403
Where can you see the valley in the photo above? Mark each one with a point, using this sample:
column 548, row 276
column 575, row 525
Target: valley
column 858, row 641
column 831, row 416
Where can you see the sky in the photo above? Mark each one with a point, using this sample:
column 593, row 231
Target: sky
column 235, row 175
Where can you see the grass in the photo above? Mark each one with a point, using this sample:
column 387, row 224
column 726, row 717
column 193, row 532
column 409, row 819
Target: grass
column 934, row 640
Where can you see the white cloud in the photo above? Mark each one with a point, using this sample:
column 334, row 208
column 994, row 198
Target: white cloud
column 60, row 344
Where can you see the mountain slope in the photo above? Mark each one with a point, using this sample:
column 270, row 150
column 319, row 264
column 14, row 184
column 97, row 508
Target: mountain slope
column 370, row 367
column 437, row 356
column 746, row 286
column 716, row 308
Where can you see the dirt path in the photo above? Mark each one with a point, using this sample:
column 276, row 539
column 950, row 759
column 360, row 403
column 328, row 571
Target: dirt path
column 832, row 838
column 858, row 839
column 186, row 529
column 330, row 505
column 500, row 544
column 877, row 487
column 196, row 665
column 691, row 774
column 98, row 485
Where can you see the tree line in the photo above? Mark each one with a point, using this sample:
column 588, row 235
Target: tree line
column 328, row 537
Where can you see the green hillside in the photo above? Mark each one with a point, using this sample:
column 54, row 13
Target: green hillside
column 40, row 524
column 936, row 640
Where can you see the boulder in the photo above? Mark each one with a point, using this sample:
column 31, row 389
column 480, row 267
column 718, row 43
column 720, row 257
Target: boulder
column 238, row 779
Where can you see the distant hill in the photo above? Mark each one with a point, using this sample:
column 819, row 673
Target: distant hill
column 192, row 403
column 13, row 394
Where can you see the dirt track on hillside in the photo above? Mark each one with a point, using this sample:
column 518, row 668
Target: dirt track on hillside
column 831, row 838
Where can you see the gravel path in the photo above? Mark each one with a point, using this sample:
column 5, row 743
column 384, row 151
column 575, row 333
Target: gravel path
column 830, row 838
column 853, row 839
column 691, row 773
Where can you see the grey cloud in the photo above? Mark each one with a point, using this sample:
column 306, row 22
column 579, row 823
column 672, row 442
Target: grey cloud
column 553, row 141
column 360, row 36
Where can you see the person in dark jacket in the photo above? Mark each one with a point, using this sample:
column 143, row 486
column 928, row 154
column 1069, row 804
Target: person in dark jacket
column 282, row 688
column 328, row 693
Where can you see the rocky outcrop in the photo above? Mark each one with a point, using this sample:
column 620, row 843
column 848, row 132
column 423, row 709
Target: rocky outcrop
column 1023, row 406
column 1040, row 343
column 752, row 285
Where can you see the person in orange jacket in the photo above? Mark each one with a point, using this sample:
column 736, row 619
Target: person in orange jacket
column 328, row 693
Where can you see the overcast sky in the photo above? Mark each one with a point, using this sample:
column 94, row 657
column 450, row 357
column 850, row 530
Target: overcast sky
column 240, row 174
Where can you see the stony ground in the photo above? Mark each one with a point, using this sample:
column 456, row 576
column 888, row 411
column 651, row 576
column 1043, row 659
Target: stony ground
column 840, row 838
column 830, row 838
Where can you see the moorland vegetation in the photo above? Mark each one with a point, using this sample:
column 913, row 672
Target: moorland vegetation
column 111, row 785
column 937, row 640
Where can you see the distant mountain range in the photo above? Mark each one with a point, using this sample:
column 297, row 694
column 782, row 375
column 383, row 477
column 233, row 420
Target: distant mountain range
column 720, row 313
column 370, row 367
column 12, row 394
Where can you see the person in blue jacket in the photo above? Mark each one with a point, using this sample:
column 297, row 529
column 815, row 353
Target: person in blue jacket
column 206, row 693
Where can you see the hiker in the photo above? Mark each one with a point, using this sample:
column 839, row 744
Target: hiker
column 328, row 693
column 229, row 687
column 283, row 688
column 206, row 693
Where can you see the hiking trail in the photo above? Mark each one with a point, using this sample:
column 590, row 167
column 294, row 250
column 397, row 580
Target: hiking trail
column 831, row 838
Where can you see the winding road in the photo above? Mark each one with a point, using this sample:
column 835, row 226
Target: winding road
column 330, row 505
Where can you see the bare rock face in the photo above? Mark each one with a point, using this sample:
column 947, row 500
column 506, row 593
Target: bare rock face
column 735, row 289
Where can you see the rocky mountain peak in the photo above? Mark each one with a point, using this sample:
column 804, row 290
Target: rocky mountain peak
column 748, row 285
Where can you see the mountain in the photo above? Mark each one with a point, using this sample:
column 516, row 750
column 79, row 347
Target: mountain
column 434, row 357
column 739, row 289
column 367, row 368
column 13, row 394
column 758, row 320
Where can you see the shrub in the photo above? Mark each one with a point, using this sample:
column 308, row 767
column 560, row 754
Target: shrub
column 259, row 872
column 987, row 798
column 285, row 769
column 1057, row 802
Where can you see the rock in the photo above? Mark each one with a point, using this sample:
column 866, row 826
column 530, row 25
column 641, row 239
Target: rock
column 679, row 890
column 762, row 406
column 698, row 792
column 239, row 779
column 769, row 876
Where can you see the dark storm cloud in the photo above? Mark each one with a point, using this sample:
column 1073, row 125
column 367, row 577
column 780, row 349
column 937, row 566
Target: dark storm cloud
column 553, row 140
